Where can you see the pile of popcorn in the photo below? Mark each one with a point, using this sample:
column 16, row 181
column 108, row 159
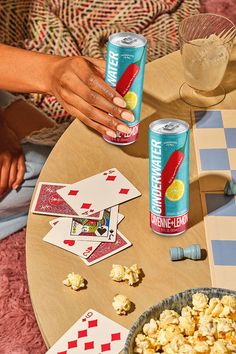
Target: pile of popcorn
column 131, row 275
column 123, row 273
column 75, row 281
column 209, row 326
column 121, row 304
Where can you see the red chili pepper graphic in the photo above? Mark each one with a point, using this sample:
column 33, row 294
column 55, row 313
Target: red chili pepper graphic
column 127, row 78
column 170, row 171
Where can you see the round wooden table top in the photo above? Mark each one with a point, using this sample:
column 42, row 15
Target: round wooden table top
column 81, row 153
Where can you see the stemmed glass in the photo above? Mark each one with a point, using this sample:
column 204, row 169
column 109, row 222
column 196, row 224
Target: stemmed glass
column 206, row 41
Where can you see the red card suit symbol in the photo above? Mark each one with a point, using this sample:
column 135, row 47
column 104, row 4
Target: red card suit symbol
column 105, row 347
column 69, row 242
column 87, row 251
column 124, row 191
column 55, row 199
column 115, row 336
column 82, row 334
column 110, row 178
column 86, row 206
column 73, row 192
column 88, row 345
column 92, row 323
column 65, row 352
column 72, row 344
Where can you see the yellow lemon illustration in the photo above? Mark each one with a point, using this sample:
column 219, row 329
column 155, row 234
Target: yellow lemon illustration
column 175, row 191
column 131, row 100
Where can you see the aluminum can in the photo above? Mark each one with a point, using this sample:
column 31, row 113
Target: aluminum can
column 169, row 176
column 125, row 62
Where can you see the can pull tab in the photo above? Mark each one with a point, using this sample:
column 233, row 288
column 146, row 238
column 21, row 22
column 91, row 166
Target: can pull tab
column 128, row 40
column 170, row 126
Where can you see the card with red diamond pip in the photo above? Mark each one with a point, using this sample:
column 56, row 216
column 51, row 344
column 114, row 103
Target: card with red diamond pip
column 90, row 214
column 93, row 333
column 47, row 201
column 98, row 192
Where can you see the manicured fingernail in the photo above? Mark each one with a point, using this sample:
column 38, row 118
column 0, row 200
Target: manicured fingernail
column 111, row 133
column 119, row 102
column 15, row 187
column 127, row 116
column 123, row 128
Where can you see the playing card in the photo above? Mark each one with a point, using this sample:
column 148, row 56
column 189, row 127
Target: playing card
column 59, row 236
column 93, row 333
column 96, row 230
column 98, row 192
column 53, row 222
column 105, row 250
column 48, row 202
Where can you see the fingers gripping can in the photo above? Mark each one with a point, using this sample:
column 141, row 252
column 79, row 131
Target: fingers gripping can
column 169, row 176
column 126, row 56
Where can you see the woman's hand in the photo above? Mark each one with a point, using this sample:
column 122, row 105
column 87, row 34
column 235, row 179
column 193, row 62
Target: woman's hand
column 78, row 84
column 12, row 162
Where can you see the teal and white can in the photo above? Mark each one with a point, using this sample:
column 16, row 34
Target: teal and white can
column 169, row 176
column 126, row 57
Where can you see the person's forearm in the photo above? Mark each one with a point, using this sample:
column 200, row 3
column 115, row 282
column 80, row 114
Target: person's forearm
column 25, row 71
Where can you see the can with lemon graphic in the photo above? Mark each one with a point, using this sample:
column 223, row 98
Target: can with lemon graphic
column 126, row 56
column 169, row 176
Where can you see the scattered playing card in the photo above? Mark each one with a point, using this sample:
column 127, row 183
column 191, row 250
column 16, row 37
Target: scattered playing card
column 98, row 192
column 93, row 333
column 53, row 222
column 48, row 202
column 103, row 230
column 105, row 250
column 59, row 236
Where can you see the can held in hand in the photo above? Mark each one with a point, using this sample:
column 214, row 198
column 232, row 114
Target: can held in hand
column 169, row 176
column 126, row 56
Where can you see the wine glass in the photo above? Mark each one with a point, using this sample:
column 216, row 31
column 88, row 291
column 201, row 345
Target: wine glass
column 206, row 41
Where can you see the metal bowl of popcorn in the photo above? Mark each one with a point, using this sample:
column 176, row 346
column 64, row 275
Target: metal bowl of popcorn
column 200, row 320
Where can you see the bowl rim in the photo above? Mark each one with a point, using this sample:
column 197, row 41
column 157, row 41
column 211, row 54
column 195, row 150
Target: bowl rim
column 206, row 291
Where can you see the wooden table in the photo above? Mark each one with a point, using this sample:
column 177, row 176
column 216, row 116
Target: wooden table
column 81, row 153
